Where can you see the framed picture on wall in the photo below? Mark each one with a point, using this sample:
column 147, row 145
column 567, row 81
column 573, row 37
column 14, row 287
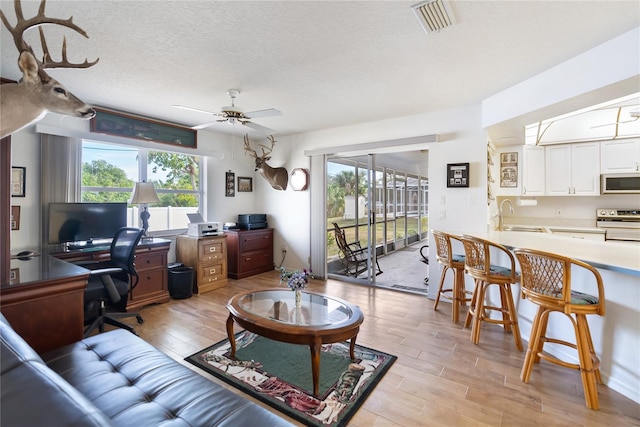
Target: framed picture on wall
column 17, row 181
column 115, row 123
column 509, row 169
column 230, row 184
column 15, row 217
column 458, row 175
column 245, row 184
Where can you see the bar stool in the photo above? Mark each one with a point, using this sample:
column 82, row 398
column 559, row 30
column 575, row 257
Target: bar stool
column 457, row 294
column 546, row 281
column 478, row 265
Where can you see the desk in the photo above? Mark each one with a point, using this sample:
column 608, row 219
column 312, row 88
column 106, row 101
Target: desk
column 151, row 265
column 44, row 301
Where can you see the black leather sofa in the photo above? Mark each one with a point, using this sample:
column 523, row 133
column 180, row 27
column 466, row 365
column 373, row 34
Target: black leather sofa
column 113, row 379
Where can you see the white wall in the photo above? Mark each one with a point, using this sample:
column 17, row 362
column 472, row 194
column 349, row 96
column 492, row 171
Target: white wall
column 462, row 140
column 25, row 151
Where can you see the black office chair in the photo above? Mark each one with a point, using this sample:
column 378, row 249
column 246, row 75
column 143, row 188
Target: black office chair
column 105, row 299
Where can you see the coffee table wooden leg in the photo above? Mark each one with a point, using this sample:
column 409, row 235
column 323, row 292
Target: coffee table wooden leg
column 352, row 347
column 315, row 347
column 232, row 337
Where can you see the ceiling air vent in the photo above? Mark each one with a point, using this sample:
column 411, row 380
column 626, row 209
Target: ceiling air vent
column 433, row 15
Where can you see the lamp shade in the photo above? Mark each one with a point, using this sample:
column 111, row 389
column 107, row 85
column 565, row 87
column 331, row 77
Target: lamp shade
column 144, row 192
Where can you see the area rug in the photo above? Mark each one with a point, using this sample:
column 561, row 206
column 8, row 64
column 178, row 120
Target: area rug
column 279, row 374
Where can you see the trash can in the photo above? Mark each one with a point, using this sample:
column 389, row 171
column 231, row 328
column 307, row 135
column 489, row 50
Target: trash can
column 180, row 281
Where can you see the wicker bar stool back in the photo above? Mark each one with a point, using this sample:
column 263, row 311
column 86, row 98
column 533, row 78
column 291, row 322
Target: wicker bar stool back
column 457, row 294
column 485, row 274
column 546, row 282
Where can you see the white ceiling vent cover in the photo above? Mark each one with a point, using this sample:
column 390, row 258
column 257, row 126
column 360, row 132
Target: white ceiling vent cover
column 433, row 15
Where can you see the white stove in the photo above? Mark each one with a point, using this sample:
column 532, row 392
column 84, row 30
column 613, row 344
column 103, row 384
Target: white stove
column 620, row 224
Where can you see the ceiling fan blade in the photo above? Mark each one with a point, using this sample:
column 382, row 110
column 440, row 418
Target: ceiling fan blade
column 205, row 125
column 259, row 128
column 194, row 109
column 269, row 112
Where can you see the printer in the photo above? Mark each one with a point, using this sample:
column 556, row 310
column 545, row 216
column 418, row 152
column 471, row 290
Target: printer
column 203, row 229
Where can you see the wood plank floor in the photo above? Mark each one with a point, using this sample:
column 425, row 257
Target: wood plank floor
column 440, row 377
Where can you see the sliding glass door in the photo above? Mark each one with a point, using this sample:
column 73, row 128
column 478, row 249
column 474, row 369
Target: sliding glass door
column 351, row 210
column 378, row 208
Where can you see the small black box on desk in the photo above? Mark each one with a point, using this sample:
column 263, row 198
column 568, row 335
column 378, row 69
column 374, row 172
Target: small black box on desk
column 252, row 221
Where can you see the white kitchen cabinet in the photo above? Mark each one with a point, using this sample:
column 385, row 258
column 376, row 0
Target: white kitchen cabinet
column 572, row 169
column 620, row 156
column 533, row 170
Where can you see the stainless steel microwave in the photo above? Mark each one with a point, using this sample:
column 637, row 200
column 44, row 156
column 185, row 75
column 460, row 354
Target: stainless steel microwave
column 620, row 183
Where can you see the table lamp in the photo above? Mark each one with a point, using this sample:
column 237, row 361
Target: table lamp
column 143, row 194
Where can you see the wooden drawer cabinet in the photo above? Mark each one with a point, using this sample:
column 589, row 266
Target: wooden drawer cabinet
column 211, row 250
column 249, row 252
column 212, row 273
column 151, row 265
column 208, row 257
column 153, row 286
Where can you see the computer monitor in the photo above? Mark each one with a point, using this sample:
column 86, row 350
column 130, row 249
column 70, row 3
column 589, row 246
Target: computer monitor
column 85, row 222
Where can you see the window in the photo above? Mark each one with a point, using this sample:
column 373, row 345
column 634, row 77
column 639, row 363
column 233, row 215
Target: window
column 109, row 172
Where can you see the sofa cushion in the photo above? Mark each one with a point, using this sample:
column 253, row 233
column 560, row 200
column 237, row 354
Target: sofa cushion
column 33, row 395
column 136, row 385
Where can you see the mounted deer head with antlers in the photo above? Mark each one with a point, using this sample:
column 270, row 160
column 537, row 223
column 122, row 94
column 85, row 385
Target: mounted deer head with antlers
column 27, row 101
column 277, row 177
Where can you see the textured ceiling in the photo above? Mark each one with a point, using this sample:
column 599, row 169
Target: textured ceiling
column 324, row 64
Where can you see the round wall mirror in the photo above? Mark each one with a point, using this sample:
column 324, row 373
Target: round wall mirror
column 299, row 179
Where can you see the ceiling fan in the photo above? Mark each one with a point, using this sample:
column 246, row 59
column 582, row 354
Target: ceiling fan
column 233, row 114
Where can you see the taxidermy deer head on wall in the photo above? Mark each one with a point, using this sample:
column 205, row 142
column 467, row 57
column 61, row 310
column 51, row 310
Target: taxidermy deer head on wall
column 27, row 101
column 277, row 177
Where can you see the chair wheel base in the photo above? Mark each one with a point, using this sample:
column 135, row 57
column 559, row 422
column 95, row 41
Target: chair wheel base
column 140, row 319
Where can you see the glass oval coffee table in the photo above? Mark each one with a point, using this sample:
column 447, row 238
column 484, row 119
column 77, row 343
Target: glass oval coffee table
column 271, row 313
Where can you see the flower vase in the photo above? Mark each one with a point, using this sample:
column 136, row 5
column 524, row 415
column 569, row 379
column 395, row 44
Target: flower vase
column 298, row 294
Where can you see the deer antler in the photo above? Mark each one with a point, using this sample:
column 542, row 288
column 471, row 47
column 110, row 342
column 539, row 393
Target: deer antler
column 40, row 19
column 273, row 142
column 247, row 147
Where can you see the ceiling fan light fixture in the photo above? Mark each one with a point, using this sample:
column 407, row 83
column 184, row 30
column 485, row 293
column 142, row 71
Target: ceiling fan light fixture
column 232, row 114
column 433, row 15
column 232, row 111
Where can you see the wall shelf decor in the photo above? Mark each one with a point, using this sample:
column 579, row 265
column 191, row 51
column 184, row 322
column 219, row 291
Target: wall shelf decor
column 458, row 175
column 230, row 184
column 119, row 124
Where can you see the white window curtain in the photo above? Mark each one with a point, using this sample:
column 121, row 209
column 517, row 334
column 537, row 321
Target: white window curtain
column 61, row 174
column 318, row 238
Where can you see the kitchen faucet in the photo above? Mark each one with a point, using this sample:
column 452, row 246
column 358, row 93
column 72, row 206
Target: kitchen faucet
column 500, row 218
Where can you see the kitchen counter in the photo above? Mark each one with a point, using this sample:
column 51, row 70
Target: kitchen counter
column 609, row 255
column 616, row 336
